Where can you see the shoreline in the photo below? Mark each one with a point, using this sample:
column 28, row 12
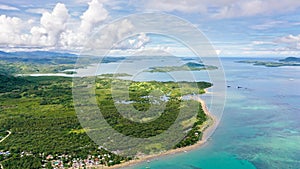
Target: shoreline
column 208, row 124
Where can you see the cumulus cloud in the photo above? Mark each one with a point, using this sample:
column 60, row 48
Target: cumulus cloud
column 93, row 16
column 54, row 29
column 141, row 41
column 90, row 19
column 136, row 42
column 10, row 29
column 10, row 24
column 57, row 30
column 111, row 36
column 51, row 26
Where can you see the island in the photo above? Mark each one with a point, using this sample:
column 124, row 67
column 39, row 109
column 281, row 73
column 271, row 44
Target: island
column 289, row 61
column 190, row 66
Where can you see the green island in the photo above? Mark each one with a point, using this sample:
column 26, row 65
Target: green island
column 190, row 66
column 289, row 61
column 46, row 133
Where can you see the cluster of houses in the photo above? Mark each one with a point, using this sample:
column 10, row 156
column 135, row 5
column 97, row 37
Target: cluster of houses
column 65, row 161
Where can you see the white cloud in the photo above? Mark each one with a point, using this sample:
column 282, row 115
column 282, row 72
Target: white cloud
column 51, row 26
column 15, row 32
column 291, row 42
column 10, row 24
column 289, row 39
column 90, row 20
column 11, row 27
column 93, row 16
column 57, row 30
column 286, row 45
column 9, row 8
column 136, row 42
column 141, row 40
column 111, row 36
column 36, row 10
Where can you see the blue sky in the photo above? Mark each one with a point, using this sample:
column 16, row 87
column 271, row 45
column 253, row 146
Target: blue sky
column 235, row 27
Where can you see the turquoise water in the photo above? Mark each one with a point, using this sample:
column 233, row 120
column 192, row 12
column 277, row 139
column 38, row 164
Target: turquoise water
column 260, row 127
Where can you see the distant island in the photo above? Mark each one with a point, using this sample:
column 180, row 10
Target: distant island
column 289, row 61
column 190, row 66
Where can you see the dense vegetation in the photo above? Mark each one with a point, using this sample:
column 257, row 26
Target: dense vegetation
column 39, row 113
column 138, row 92
column 190, row 66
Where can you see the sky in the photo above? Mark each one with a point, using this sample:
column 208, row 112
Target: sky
column 234, row 27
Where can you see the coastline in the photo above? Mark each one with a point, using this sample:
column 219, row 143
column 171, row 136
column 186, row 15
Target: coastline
column 208, row 124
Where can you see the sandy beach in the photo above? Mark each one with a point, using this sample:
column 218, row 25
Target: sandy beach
column 205, row 128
